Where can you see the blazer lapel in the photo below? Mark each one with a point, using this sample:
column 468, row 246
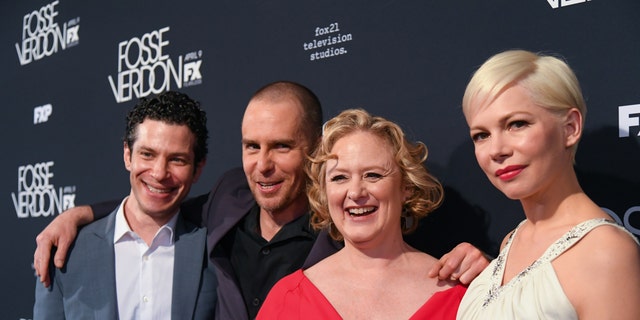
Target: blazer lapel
column 187, row 269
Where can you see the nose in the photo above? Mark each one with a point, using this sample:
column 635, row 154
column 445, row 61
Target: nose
column 499, row 148
column 265, row 163
column 356, row 190
column 159, row 170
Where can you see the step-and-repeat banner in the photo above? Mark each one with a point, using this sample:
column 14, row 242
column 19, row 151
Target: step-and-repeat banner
column 71, row 70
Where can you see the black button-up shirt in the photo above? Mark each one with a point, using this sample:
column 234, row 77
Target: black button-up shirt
column 259, row 264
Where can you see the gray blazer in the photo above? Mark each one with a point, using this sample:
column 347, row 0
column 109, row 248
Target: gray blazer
column 85, row 288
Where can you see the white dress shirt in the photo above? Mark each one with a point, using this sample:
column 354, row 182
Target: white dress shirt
column 144, row 274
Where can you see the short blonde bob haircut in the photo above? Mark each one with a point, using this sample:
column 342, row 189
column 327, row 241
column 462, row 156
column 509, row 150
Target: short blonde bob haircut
column 426, row 190
column 549, row 80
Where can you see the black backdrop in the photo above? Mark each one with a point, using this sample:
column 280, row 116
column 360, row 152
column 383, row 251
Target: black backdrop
column 70, row 71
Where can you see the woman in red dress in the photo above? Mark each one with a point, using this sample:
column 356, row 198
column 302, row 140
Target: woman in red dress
column 367, row 187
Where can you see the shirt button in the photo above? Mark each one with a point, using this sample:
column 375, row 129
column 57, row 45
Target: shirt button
column 145, row 258
column 145, row 299
column 256, row 302
column 266, row 251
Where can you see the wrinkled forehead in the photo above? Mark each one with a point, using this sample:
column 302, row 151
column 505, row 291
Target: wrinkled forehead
column 266, row 109
column 268, row 120
column 365, row 147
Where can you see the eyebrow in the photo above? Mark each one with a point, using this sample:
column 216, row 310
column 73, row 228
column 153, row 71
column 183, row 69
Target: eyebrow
column 291, row 142
column 154, row 151
column 386, row 168
column 503, row 118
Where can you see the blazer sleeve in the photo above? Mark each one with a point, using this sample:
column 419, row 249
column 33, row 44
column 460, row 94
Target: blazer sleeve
column 198, row 210
column 49, row 303
column 103, row 209
column 192, row 209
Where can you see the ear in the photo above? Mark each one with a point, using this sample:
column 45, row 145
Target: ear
column 408, row 192
column 572, row 127
column 198, row 172
column 127, row 156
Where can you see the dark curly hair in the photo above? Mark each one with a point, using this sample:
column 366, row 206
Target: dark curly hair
column 174, row 108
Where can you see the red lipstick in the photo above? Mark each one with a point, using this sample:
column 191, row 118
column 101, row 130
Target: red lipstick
column 509, row 172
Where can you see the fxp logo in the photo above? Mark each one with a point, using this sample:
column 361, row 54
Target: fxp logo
column 41, row 114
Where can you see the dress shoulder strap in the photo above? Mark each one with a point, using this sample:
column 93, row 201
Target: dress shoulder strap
column 507, row 244
column 557, row 248
column 575, row 234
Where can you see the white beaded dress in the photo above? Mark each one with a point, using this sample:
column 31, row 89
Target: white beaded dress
column 535, row 293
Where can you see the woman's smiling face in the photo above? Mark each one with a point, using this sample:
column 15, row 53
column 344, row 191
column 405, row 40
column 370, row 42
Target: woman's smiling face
column 365, row 190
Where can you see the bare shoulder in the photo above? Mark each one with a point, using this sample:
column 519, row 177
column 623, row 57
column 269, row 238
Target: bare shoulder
column 423, row 258
column 601, row 274
column 421, row 264
column 323, row 267
column 606, row 252
column 611, row 242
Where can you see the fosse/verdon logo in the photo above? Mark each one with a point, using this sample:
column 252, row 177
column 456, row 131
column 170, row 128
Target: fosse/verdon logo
column 563, row 3
column 41, row 114
column 37, row 196
column 143, row 69
column 628, row 118
column 42, row 36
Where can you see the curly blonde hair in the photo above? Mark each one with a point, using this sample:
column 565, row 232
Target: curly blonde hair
column 426, row 191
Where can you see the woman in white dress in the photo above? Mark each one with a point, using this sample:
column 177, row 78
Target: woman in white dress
column 567, row 259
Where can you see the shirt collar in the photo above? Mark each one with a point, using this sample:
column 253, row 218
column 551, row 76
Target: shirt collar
column 123, row 230
column 299, row 227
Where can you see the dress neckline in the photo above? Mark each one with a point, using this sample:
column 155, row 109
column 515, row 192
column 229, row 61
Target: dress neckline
column 333, row 310
column 563, row 243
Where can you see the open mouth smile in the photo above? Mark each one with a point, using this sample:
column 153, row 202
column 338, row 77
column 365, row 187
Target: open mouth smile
column 158, row 190
column 360, row 212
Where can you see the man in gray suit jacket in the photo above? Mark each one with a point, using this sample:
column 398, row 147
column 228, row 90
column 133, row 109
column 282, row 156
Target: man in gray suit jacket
column 257, row 218
column 144, row 261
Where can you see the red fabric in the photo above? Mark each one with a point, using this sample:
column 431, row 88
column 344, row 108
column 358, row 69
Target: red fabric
column 295, row 297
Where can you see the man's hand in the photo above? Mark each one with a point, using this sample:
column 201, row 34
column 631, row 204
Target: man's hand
column 60, row 233
column 464, row 263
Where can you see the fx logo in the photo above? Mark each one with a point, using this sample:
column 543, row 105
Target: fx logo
column 563, row 3
column 626, row 119
column 41, row 114
column 72, row 34
column 192, row 71
column 68, row 201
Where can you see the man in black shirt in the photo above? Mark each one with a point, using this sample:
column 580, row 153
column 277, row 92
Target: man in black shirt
column 257, row 217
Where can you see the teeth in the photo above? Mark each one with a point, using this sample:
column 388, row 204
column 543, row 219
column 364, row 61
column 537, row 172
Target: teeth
column 361, row 211
column 267, row 186
column 154, row 190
